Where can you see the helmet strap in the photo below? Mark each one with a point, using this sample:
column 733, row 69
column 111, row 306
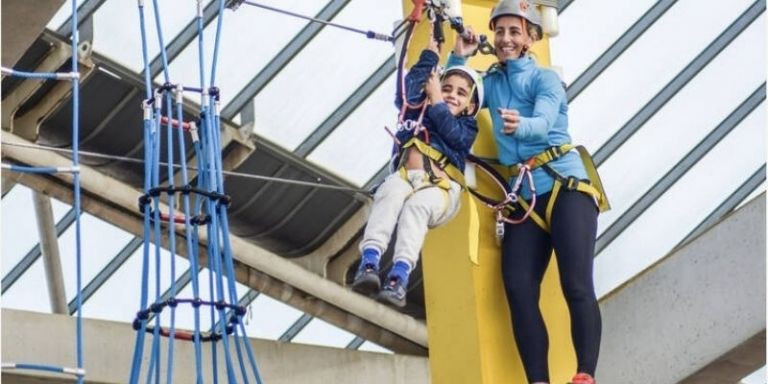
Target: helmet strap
column 524, row 49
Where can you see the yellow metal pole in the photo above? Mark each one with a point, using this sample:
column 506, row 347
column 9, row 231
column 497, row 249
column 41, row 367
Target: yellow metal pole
column 470, row 333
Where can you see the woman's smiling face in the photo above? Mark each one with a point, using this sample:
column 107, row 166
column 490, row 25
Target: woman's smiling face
column 510, row 38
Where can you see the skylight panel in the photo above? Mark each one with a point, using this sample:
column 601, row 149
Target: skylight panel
column 326, row 72
column 360, row 146
column 319, row 332
column 250, row 38
column 268, row 318
column 685, row 205
column 588, row 28
column 30, row 292
column 64, row 12
column 677, row 128
column 19, row 227
column 646, row 67
column 99, row 242
column 117, row 31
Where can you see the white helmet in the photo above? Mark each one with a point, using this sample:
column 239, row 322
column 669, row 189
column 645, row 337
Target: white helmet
column 519, row 8
column 476, row 79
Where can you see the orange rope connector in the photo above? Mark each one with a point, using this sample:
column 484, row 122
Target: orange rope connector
column 418, row 9
column 179, row 219
column 174, row 123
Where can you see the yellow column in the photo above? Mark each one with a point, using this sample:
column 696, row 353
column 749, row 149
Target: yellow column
column 470, row 334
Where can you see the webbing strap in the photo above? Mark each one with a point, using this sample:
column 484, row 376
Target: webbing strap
column 535, row 216
column 553, row 153
column 441, row 160
column 548, row 155
column 594, row 177
column 474, row 232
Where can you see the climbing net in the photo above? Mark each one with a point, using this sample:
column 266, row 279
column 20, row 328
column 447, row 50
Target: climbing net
column 202, row 215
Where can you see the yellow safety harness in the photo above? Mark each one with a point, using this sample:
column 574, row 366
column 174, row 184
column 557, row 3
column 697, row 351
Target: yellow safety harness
column 593, row 187
column 441, row 161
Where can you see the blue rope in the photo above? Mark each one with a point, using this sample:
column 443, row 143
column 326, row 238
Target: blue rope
column 78, row 372
column 171, row 235
column 139, row 344
column 159, row 105
column 216, row 44
column 191, row 255
column 39, row 170
column 75, row 163
column 42, row 75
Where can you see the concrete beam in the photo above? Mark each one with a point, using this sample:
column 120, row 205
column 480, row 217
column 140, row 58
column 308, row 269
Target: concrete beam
column 115, row 202
column 6, row 184
column 694, row 313
column 58, row 54
column 22, row 23
column 319, row 260
column 734, row 365
column 108, row 350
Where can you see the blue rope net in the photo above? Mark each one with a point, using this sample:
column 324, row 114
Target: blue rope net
column 203, row 209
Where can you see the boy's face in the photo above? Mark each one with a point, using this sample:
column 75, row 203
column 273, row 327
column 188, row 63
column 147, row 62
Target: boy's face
column 508, row 38
column 457, row 93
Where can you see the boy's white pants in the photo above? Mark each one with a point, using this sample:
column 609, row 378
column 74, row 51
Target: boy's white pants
column 415, row 206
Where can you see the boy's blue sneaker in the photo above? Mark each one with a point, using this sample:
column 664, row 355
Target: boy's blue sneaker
column 367, row 280
column 393, row 292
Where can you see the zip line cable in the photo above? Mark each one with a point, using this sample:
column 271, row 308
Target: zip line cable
column 282, row 180
column 369, row 34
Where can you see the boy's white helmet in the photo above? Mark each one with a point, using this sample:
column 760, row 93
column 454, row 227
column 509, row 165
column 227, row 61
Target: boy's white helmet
column 476, row 78
column 520, row 8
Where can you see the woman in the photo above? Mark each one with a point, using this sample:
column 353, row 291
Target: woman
column 529, row 111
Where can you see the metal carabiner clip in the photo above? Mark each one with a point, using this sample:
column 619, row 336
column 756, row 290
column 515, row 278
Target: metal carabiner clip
column 499, row 228
column 484, row 46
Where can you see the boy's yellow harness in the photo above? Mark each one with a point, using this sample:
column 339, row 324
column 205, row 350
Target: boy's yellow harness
column 433, row 155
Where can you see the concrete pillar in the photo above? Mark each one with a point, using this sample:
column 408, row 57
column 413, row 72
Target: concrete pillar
column 49, row 245
column 695, row 312
column 468, row 322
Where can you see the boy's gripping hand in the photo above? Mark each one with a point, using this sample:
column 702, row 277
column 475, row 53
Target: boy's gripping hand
column 433, row 45
column 433, row 88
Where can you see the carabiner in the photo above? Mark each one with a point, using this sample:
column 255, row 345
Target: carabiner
column 499, row 228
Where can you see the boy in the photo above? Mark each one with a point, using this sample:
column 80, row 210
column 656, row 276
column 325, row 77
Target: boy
column 432, row 141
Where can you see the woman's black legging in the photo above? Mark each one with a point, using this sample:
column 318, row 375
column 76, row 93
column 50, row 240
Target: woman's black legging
column 526, row 252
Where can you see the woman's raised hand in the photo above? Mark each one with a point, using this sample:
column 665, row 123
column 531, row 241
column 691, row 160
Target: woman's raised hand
column 466, row 47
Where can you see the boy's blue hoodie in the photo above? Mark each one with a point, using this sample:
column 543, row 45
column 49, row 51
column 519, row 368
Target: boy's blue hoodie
column 451, row 135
